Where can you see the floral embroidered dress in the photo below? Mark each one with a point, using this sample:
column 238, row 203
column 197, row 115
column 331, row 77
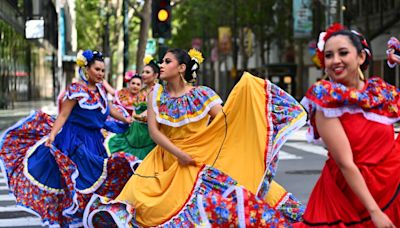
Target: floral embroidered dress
column 236, row 156
column 56, row 183
column 127, row 100
column 136, row 140
column 367, row 117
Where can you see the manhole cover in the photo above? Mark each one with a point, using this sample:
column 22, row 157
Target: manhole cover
column 304, row 172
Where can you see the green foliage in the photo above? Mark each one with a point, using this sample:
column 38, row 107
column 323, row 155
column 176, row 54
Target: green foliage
column 199, row 19
column 89, row 24
column 268, row 19
column 91, row 20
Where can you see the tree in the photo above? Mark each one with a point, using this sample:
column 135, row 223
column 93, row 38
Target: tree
column 143, row 12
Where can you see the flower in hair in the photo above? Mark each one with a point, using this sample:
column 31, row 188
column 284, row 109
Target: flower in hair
column 148, row 59
column 393, row 52
column 323, row 37
column 84, row 57
column 88, row 55
column 393, row 43
column 196, row 55
column 81, row 59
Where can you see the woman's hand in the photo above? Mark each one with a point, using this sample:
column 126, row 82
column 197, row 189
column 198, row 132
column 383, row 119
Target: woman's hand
column 49, row 140
column 381, row 220
column 392, row 57
column 184, row 159
column 128, row 120
column 141, row 118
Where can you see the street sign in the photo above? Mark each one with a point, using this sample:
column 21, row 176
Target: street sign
column 302, row 15
column 34, row 29
column 151, row 47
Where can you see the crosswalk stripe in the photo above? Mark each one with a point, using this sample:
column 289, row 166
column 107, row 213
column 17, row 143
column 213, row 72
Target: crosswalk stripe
column 7, row 197
column 21, row 222
column 288, row 156
column 10, row 208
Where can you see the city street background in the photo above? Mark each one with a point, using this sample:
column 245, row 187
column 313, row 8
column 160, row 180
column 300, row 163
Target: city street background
column 272, row 39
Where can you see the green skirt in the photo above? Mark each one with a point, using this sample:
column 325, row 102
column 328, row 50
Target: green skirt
column 136, row 141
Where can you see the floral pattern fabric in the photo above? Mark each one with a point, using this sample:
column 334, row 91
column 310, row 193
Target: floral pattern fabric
column 190, row 107
column 126, row 99
column 87, row 98
column 285, row 116
column 207, row 205
column 378, row 101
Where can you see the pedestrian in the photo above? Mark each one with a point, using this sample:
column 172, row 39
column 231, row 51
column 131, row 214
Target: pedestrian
column 53, row 167
column 136, row 140
column 204, row 151
column 360, row 182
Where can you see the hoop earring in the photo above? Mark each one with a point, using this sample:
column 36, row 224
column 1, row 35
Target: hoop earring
column 360, row 74
column 183, row 79
column 326, row 77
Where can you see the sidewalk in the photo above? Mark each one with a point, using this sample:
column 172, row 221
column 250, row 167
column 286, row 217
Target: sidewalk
column 22, row 109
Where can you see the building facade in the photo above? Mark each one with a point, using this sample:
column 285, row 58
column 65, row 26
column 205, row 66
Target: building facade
column 31, row 64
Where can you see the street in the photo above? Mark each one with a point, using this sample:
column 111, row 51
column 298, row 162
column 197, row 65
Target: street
column 298, row 170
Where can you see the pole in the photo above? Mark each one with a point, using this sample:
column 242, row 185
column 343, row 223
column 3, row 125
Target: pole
column 107, row 31
column 341, row 11
column 235, row 49
column 126, row 35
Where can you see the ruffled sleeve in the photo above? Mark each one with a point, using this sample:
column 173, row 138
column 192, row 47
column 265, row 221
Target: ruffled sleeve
column 178, row 111
column 86, row 98
column 378, row 101
column 287, row 115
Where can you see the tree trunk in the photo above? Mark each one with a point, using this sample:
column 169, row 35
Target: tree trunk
column 143, row 35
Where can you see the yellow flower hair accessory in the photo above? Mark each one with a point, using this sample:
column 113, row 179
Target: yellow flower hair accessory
column 147, row 59
column 196, row 55
column 81, row 59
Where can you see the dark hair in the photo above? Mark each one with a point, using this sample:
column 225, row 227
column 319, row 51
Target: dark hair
column 359, row 43
column 183, row 58
column 136, row 76
column 154, row 66
column 97, row 56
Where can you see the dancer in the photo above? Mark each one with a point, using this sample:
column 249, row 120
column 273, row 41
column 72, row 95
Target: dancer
column 126, row 97
column 53, row 167
column 393, row 52
column 136, row 140
column 183, row 180
column 360, row 182
column 150, row 74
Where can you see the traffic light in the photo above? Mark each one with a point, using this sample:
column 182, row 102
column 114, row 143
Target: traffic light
column 161, row 18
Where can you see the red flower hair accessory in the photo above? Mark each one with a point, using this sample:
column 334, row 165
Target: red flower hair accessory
column 129, row 75
column 323, row 36
column 336, row 27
